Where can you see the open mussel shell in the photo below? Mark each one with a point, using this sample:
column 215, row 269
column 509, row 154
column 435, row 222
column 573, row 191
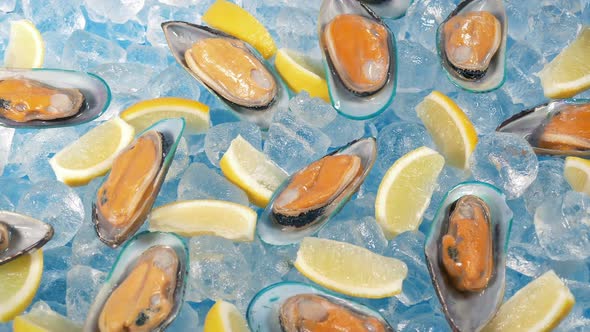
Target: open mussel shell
column 389, row 8
column 96, row 95
column 470, row 311
column 170, row 132
column 273, row 231
column 22, row 234
column 128, row 258
column 182, row 35
column 494, row 75
column 264, row 309
column 559, row 127
column 345, row 98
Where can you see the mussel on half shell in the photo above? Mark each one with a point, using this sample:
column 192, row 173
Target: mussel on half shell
column 292, row 307
column 359, row 56
column 466, row 254
column 311, row 196
column 559, row 127
column 471, row 43
column 230, row 68
column 40, row 98
column 145, row 288
column 126, row 196
column 20, row 234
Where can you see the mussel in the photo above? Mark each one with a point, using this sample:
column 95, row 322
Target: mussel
column 308, row 199
column 145, row 288
column 126, row 196
column 359, row 53
column 466, row 254
column 472, row 44
column 39, row 98
column 559, row 127
column 292, row 307
column 230, row 68
column 389, row 8
column 20, row 234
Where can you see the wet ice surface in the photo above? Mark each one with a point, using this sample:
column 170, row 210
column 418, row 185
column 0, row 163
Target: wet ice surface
column 126, row 47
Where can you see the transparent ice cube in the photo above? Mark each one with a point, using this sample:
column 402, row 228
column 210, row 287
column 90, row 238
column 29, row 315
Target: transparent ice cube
column 313, row 111
column 483, row 109
column 551, row 30
column 83, row 284
column 549, row 184
column 361, row 232
column 118, row 11
column 506, row 161
column 397, row 139
column 56, row 204
column 202, row 182
column 417, row 64
column 6, row 135
column 88, row 250
column 219, row 137
column 173, row 82
column 156, row 14
column 84, row 51
column 155, row 57
column 64, row 17
column 130, row 31
column 124, row 78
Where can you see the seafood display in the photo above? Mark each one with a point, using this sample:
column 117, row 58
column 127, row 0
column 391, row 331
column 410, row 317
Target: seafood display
column 471, row 44
column 466, row 253
column 308, row 199
column 557, row 128
column 126, row 196
column 229, row 68
column 359, row 51
column 291, row 307
column 39, row 98
column 145, row 289
column 305, row 251
column 20, row 234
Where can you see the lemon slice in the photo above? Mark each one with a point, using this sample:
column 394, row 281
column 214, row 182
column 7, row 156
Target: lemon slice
column 450, row 128
column 538, row 306
column 20, row 280
column 40, row 320
column 349, row 269
column 405, row 191
column 569, row 73
column 234, row 20
column 301, row 72
column 92, row 155
column 206, row 217
column 147, row 112
column 225, row 317
column 252, row 171
column 26, row 48
column 577, row 173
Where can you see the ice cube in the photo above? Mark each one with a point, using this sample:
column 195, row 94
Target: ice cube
column 60, row 16
column 343, row 130
column 552, row 30
column 422, row 20
column 506, row 161
column 187, row 319
column 219, row 137
column 155, row 57
column 173, row 82
column 361, row 232
column 88, row 250
column 54, row 46
column 7, row 5
column 124, row 78
column 56, row 263
column 292, row 144
column 549, row 184
column 83, row 284
column 201, row 182
column 416, row 65
column 84, row 51
column 522, row 85
column 483, row 109
column 297, row 29
column 161, row 13
column 117, row 11
column 180, row 161
column 56, row 204
column 313, row 111
column 130, row 31
column 405, row 105
column 563, row 226
column 396, row 140
column 6, row 135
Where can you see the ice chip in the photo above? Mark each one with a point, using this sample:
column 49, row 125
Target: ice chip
column 201, row 182
column 83, row 284
column 117, row 11
column 60, row 16
column 84, row 51
column 219, row 137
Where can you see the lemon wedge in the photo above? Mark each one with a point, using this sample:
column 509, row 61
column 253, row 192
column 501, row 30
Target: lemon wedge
column 252, row 171
column 301, row 73
column 225, row 317
column 405, row 191
column 20, row 280
column 538, row 306
column 26, row 48
column 234, row 20
column 349, row 269
column 147, row 112
column 452, row 131
column 577, row 173
column 92, row 155
column 206, row 217
column 44, row 320
column 569, row 73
